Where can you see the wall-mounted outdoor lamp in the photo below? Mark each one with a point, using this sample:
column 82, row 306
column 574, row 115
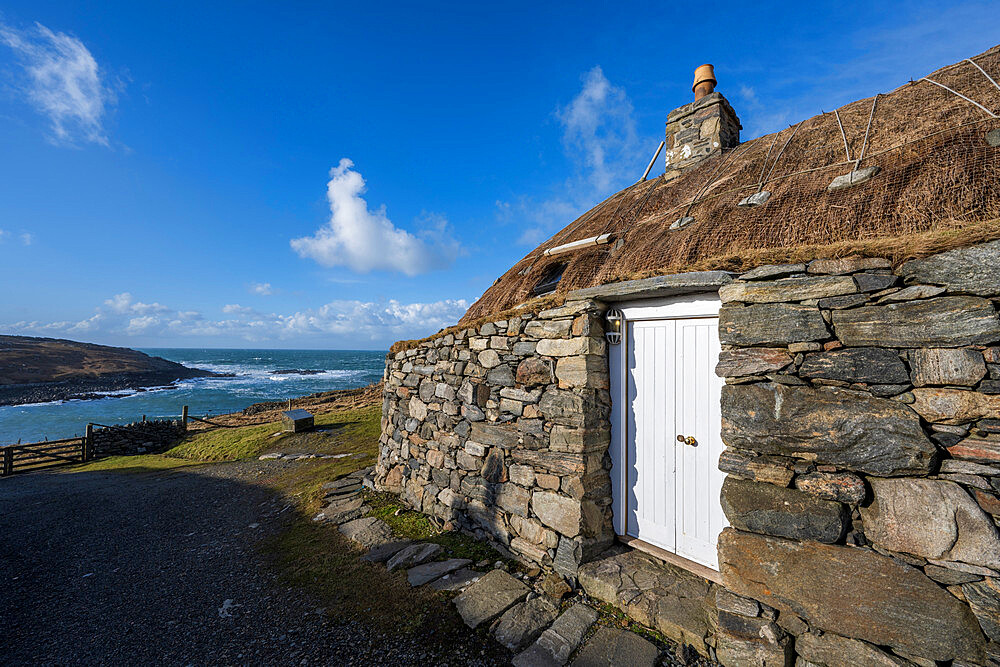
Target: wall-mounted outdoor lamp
column 615, row 320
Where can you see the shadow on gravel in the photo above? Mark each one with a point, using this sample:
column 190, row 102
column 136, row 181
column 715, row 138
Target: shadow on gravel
column 203, row 564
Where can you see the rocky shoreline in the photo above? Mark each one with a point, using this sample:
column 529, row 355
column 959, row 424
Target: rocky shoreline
column 93, row 387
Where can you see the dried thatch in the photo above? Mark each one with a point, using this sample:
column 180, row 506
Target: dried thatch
column 938, row 187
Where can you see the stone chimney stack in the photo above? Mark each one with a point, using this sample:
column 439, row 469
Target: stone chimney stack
column 701, row 129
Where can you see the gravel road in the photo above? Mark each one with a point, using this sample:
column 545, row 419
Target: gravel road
column 161, row 568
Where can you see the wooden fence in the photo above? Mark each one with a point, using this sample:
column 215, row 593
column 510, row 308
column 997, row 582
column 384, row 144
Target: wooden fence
column 38, row 455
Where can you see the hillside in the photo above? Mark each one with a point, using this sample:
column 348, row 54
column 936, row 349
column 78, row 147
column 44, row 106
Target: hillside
column 47, row 369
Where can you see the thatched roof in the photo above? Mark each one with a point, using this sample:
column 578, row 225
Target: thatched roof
column 938, row 174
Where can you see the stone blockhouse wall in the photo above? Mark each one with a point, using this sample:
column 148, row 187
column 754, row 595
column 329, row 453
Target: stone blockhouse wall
column 861, row 415
column 137, row 437
column 862, row 418
column 503, row 430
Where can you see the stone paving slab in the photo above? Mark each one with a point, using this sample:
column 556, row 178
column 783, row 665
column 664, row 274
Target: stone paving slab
column 488, row 598
column 367, row 531
column 457, row 581
column 556, row 644
column 380, row 553
column 428, row 572
column 523, row 623
column 415, row 554
column 341, row 511
column 653, row 594
column 614, row 647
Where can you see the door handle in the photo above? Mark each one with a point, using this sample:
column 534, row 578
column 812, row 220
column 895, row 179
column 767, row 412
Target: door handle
column 690, row 441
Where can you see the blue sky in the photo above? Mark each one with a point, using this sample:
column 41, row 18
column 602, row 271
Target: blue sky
column 326, row 176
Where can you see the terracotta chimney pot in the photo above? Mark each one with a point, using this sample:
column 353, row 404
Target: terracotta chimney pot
column 704, row 81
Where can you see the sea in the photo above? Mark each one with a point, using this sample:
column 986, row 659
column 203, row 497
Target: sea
column 252, row 381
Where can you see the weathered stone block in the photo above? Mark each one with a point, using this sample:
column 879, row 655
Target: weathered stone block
column 773, row 510
column 977, row 449
column 523, row 623
column 514, row 499
column 788, row 289
column 773, row 271
column 947, row 321
column 534, row 371
column 488, row 598
column 853, row 592
column 499, row 435
column 939, row 366
column 548, row 328
column 521, row 474
column 734, row 651
column 752, row 361
column 860, row 364
column 569, row 347
column 931, row 519
column 558, row 463
column 984, row 598
column 571, row 408
column 675, row 602
column 845, row 265
column 772, row 323
column 494, row 471
column 829, row 425
column 954, row 406
column 558, row 512
column 757, row 468
column 843, row 487
column 972, row 270
column 830, row 650
column 583, row 371
column 569, row 439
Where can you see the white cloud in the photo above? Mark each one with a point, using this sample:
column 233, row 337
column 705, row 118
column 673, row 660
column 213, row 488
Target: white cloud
column 27, row 239
column 345, row 322
column 263, row 289
column 366, row 240
column 606, row 153
column 63, row 82
column 599, row 130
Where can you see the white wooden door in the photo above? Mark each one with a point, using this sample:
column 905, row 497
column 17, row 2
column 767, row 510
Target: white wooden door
column 664, row 386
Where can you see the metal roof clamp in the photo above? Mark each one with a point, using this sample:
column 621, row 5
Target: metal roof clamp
column 756, row 199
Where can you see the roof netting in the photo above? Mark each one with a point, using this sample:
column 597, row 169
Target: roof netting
column 937, row 169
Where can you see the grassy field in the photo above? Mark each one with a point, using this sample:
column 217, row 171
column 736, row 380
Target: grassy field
column 315, row 556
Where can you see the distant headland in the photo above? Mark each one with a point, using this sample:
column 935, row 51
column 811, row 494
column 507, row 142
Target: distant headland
column 37, row 370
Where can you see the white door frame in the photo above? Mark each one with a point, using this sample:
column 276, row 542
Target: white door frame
column 705, row 304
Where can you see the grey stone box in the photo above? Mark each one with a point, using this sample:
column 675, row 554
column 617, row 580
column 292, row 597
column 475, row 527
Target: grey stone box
column 297, row 421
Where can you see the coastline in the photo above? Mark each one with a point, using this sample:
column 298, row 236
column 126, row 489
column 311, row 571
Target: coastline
column 89, row 388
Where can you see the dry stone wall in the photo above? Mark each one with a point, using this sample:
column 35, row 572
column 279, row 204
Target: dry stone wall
column 503, row 430
column 138, row 437
column 862, row 418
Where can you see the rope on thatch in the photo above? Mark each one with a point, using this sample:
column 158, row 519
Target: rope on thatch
column 988, row 77
column 777, row 157
column 843, row 135
column 864, row 145
column 711, row 177
column 967, row 99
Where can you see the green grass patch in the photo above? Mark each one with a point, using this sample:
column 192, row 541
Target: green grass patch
column 351, row 432
column 140, row 463
column 411, row 525
column 317, row 558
